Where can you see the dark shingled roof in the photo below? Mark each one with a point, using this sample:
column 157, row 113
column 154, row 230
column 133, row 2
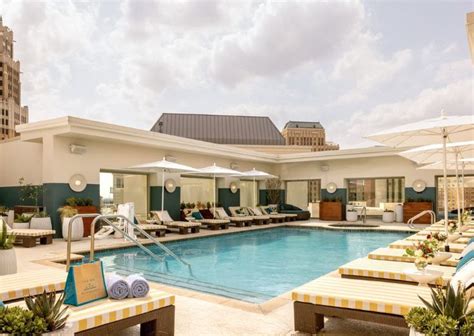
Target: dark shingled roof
column 221, row 129
column 303, row 124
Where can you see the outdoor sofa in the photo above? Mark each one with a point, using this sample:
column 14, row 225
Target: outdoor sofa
column 291, row 209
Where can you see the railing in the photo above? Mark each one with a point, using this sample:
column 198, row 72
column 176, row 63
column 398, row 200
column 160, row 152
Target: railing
column 106, row 219
column 421, row 214
column 363, row 214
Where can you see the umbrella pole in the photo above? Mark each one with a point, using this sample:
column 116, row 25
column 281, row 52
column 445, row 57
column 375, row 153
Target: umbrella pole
column 445, row 182
column 254, row 193
column 458, row 197
column 162, row 190
column 214, row 205
column 462, row 188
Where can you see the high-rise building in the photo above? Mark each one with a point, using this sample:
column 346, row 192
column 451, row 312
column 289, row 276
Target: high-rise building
column 12, row 113
column 307, row 133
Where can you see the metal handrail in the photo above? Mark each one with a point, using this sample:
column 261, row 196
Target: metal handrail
column 106, row 218
column 363, row 214
column 421, row 214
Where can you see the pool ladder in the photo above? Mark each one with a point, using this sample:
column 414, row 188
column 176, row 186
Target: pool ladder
column 421, row 214
column 107, row 220
column 363, row 214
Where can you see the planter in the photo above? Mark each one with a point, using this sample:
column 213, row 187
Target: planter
column 413, row 332
column 88, row 209
column 351, row 216
column 388, row 217
column 18, row 225
column 332, row 211
column 77, row 228
column 7, row 261
column 41, row 223
column 68, row 329
column 411, row 209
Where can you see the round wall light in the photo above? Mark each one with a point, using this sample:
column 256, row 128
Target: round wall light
column 77, row 183
column 331, row 187
column 419, row 186
column 233, row 187
column 170, row 185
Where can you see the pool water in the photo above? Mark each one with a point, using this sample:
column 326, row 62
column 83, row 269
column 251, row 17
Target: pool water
column 252, row 266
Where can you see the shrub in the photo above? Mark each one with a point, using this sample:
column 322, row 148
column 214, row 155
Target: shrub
column 20, row 321
column 6, row 240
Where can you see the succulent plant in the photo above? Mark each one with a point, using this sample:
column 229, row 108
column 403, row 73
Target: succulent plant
column 6, row 239
column 48, row 308
column 20, row 321
column 22, row 218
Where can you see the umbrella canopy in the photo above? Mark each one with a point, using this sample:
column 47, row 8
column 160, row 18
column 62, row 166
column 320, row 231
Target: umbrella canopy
column 164, row 166
column 427, row 132
column 467, row 164
column 435, row 152
column 257, row 175
column 216, row 171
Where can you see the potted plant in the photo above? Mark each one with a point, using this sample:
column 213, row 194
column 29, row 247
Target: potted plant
column 83, row 206
column 7, row 253
column 388, row 216
column 41, row 221
column 351, row 215
column 66, row 213
column 331, row 209
column 412, row 207
column 22, row 221
column 448, row 314
column 423, row 252
column 52, row 311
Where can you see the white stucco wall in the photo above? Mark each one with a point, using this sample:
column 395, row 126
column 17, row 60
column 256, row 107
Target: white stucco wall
column 20, row 159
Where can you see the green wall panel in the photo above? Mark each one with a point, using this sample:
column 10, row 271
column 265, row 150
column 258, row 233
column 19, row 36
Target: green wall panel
column 263, row 196
column 227, row 199
column 340, row 193
column 55, row 195
column 171, row 201
column 10, row 196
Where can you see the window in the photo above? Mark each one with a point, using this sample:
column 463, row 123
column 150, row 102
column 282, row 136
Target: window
column 452, row 201
column 119, row 188
column 248, row 193
column 374, row 191
column 197, row 189
column 314, row 191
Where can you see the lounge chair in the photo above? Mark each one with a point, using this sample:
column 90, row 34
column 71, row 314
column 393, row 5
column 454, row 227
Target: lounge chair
column 206, row 219
column 239, row 221
column 403, row 244
column 374, row 301
column 151, row 227
column 390, row 254
column 371, row 269
column 155, row 313
column 183, row 227
column 19, row 285
column 29, row 237
column 275, row 217
column 257, row 220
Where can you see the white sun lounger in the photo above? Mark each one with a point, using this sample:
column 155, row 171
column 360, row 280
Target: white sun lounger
column 183, row 227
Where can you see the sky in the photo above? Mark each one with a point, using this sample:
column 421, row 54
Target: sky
column 356, row 66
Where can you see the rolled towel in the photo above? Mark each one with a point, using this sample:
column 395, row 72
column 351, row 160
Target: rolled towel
column 117, row 287
column 139, row 287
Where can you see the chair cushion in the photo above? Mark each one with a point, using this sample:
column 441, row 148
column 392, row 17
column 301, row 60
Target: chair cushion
column 467, row 249
column 221, row 213
column 465, row 276
column 465, row 260
column 165, row 216
column 197, row 215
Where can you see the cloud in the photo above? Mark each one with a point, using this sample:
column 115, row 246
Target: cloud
column 283, row 36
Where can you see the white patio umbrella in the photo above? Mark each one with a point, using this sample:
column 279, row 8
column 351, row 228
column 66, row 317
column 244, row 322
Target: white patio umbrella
column 453, row 151
column 430, row 131
column 216, row 171
column 164, row 166
column 257, row 175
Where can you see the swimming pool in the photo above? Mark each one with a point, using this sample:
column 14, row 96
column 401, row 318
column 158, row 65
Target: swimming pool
column 252, row 266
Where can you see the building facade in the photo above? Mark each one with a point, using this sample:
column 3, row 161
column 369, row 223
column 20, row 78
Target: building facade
column 12, row 113
column 306, row 133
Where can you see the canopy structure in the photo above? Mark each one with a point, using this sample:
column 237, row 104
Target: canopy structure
column 453, row 151
column 444, row 129
column 216, row 171
column 257, row 175
column 164, row 166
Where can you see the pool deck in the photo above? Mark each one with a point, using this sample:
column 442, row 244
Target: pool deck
column 205, row 314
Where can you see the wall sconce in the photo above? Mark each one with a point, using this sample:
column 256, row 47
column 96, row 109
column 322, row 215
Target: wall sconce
column 419, row 186
column 77, row 149
column 233, row 187
column 324, row 167
column 234, row 166
column 331, row 187
column 170, row 185
column 170, row 158
column 77, row 183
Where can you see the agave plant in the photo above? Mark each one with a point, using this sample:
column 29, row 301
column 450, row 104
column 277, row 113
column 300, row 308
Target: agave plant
column 6, row 239
column 47, row 307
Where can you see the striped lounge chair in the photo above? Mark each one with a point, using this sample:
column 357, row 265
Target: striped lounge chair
column 275, row 217
column 257, row 220
column 210, row 223
column 239, row 221
column 390, row 254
